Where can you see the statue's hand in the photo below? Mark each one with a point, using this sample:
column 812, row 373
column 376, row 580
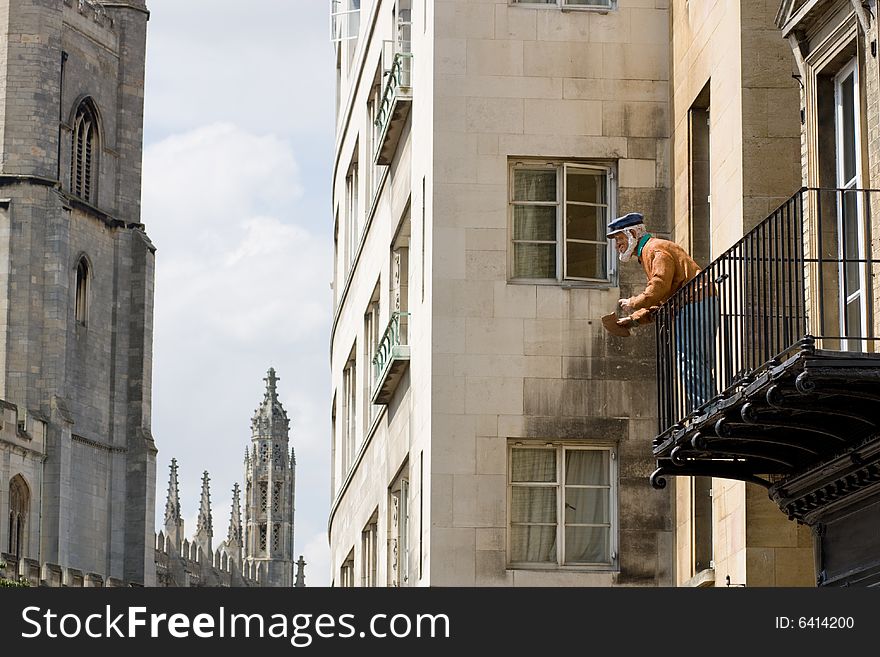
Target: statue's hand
column 626, row 305
column 626, row 322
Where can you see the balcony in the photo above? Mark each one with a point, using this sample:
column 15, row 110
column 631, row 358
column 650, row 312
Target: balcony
column 394, row 107
column 391, row 359
column 789, row 395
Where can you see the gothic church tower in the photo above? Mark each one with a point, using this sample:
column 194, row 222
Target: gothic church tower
column 270, row 473
column 76, row 290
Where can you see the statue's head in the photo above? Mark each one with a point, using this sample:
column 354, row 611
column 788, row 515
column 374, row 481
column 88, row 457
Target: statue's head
column 626, row 232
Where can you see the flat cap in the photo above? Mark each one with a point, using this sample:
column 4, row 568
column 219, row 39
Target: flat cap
column 624, row 222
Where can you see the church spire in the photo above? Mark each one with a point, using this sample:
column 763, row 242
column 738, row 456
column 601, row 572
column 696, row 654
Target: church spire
column 269, row 490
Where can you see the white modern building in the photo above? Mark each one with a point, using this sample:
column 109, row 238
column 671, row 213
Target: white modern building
column 486, row 430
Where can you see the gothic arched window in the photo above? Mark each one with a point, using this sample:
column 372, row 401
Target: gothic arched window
column 84, row 152
column 81, row 301
column 19, row 502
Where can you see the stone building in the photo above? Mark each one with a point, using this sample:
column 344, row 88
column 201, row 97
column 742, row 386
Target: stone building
column 787, row 454
column 258, row 551
column 76, row 295
column 486, row 430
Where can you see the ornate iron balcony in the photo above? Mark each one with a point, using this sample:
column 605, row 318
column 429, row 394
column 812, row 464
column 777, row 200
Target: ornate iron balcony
column 394, row 107
column 391, row 359
column 768, row 363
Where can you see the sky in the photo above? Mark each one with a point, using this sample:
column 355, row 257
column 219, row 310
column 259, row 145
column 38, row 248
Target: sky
column 238, row 146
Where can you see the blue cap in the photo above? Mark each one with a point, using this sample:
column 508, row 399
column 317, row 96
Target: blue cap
column 626, row 221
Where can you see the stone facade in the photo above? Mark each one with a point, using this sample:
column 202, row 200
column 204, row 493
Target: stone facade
column 495, row 363
column 731, row 64
column 76, row 292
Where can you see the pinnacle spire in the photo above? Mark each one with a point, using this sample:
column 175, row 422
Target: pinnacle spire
column 172, row 503
column 270, row 419
column 271, row 381
column 234, row 534
column 205, row 522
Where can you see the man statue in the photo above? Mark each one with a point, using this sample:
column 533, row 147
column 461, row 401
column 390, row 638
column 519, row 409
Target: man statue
column 668, row 268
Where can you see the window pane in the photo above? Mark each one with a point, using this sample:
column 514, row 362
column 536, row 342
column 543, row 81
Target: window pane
column 529, row 185
column 854, row 321
column 533, row 504
column 587, row 545
column 587, row 467
column 586, row 260
column 534, row 260
column 533, row 465
column 585, row 222
column 847, row 102
column 586, row 506
column 535, row 544
column 586, row 186
column 534, row 222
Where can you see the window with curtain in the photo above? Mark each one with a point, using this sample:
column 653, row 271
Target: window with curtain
column 84, row 152
column 559, row 212
column 562, row 506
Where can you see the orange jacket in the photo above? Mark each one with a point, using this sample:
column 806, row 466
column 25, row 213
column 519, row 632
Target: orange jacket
column 668, row 267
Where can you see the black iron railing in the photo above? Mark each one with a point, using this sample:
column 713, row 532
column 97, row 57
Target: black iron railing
column 803, row 275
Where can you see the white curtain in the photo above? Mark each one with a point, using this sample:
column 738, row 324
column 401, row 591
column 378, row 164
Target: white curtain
column 587, row 506
column 533, row 507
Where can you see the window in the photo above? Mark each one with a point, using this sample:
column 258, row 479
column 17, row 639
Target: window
column 345, row 18
column 263, row 538
column 264, row 494
column 333, row 443
column 346, row 571
column 562, row 506
column 19, row 503
column 372, row 135
column 84, row 151
column 700, row 223
column 701, row 517
column 369, row 548
column 276, row 497
column 349, row 402
column 372, row 334
column 276, row 538
column 569, row 4
column 398, row 530
column 81, row 299
column 559, row 212
column 352, row 221
column 335, row 282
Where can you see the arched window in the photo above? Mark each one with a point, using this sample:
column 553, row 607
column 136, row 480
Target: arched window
column 84, row 152
column 19, row 502
column 81, row 303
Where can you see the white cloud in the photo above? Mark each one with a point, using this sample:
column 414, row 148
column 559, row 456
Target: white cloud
column 242, row 283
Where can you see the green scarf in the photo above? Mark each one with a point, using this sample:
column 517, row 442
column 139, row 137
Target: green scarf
column 642, row 241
